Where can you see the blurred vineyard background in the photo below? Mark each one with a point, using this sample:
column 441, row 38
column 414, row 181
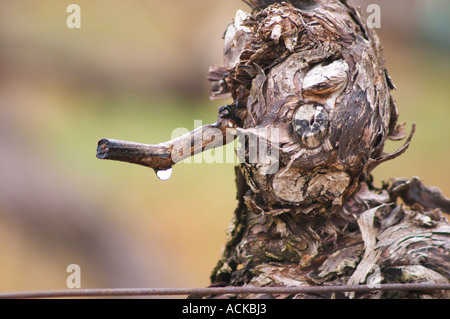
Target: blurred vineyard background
column 136, row 70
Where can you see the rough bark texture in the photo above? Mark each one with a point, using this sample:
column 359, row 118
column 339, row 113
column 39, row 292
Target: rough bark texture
column 315, row 72
column 308, row 79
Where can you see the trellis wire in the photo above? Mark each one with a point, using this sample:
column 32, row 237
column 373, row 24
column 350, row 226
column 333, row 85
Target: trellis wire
column 130, row 292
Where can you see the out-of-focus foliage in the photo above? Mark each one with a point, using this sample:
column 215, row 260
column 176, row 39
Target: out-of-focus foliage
column 137, row 70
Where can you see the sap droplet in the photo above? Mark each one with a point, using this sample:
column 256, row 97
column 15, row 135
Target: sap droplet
column 164, row 175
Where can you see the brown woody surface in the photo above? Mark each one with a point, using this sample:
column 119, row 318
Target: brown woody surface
column 313, row 71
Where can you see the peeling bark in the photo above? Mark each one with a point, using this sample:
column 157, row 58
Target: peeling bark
column 313, row 72
column 370, row 233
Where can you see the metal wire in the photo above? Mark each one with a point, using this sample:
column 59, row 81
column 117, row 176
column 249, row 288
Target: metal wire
column 127, row 292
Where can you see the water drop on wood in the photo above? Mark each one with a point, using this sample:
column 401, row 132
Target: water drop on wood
column 164, row 175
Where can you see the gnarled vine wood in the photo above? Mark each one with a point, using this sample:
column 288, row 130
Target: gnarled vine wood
column 313, row 72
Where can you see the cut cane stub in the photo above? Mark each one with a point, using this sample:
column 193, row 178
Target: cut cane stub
column 310, row 123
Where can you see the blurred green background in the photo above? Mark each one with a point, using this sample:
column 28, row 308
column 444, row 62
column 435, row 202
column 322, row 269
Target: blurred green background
column 136, row 70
